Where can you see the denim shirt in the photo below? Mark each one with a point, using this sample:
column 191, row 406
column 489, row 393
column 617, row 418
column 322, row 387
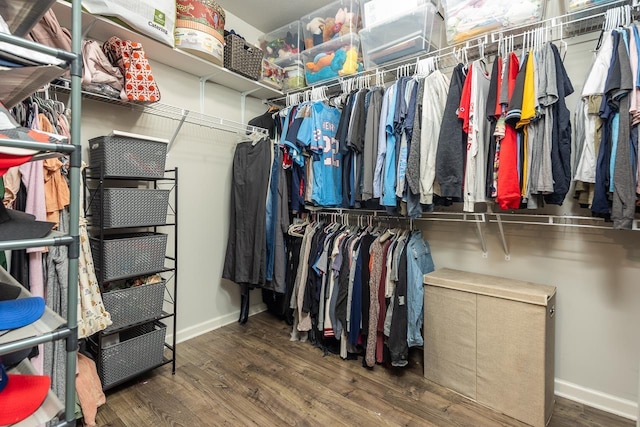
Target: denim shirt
column 419, row 263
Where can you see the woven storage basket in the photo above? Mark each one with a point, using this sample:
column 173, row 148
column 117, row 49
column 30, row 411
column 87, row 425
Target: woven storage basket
column 130, row 207
column 140, row 349
column 121, row 156
column 128, row 255
column 242, row 57
column 134, row 305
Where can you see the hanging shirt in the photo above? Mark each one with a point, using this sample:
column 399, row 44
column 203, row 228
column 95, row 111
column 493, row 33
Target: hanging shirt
column 508, row 185
column 372, row 124
column 436, row 88
column 378, row 177
column 318, row 132
column 561, row 146
column 451, row 141
column 476, row 136
column 389, row 174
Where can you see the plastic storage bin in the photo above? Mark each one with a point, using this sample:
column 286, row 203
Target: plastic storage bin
column 374, row 12
column 129, row 207
column 272, row 74
column 293, row 76
column 416, row 32
column 284, row 45
column 336, row 58
column 283, row 48
column 575, row 5
column 335, row 20
column 135, row 351
column 134, row 305
column 466, row 19
column 128, row 255
column 122, row 156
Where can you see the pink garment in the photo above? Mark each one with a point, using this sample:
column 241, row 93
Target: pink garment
column 89, row 389
column 11, row 186
column 33, row 180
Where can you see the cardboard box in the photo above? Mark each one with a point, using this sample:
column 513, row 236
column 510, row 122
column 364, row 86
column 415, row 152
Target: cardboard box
column 492, row 340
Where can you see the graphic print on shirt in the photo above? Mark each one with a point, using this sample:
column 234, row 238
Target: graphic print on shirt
column 329, row 145
column 318, row 132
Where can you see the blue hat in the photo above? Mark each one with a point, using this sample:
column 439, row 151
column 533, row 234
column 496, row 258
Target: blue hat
column 20, row 312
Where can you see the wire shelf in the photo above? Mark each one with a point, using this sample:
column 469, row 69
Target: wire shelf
column 169, row 112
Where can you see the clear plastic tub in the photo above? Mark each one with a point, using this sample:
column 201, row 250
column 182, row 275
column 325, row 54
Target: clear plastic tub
column 284, row 45
column 375, row 12
column 335, row 20
column 465, row 19
column 336, row 58
column 575, row 5
column 416, row 32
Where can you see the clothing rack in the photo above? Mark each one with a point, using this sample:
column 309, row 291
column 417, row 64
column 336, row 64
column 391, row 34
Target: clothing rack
column 553, row 29
column 478, row 219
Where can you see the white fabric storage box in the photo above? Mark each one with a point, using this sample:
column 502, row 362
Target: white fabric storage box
column 334, row 20
column 492, row 340
column 413, row 33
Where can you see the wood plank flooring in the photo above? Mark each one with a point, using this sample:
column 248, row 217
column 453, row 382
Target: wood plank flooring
column 253, row 375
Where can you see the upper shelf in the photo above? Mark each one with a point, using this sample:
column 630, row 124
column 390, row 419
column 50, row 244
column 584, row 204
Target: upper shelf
column 19, row 83
column 22, row 15
column 101, row 29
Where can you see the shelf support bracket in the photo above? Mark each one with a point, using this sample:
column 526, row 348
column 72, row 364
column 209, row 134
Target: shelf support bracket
column 480, row 218
column 203, row 83
column 85, row 31
column 185, row 113
column 507, row 256
column 243, row 103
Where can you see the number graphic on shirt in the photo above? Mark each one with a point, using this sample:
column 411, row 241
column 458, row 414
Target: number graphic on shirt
column 330, row 146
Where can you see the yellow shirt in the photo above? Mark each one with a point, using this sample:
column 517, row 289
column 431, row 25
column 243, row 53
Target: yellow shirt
column 528, row 94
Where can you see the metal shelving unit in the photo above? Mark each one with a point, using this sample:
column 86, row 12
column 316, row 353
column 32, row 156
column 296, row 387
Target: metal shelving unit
column 97, row 342
column 17, row 84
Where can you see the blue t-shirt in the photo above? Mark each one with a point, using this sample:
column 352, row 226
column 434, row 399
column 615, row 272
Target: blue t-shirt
column 389, row 180
column 317, row 132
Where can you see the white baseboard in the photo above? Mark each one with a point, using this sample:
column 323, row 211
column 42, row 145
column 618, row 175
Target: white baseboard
column 596, row 399
column 210, row 325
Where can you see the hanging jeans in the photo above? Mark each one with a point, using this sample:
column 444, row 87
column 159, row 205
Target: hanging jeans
column 419, row 263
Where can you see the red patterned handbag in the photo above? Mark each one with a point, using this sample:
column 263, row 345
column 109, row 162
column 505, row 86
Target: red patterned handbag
column 139, row 84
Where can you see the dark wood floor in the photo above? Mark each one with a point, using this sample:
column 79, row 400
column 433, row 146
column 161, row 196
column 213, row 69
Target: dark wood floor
column 253, row 375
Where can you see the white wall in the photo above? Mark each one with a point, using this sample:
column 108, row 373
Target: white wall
column 596, row 271
column 204, row 157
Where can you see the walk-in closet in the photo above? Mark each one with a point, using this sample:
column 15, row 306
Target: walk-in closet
column 329, row 212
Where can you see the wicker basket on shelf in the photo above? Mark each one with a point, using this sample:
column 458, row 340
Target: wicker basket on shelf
column 242, row 58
